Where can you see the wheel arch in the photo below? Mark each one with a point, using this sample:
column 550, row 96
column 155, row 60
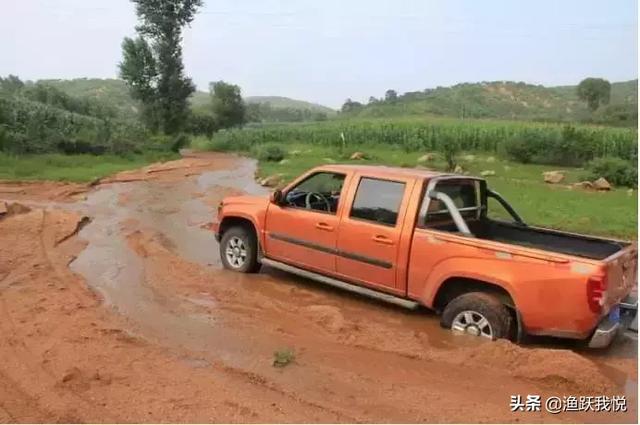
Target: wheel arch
column 455, row 286
column 246, row 222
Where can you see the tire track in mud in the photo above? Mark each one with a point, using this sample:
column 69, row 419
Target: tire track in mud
column 17, row 355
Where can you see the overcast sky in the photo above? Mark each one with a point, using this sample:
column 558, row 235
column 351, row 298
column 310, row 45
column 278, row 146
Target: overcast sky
column 325, row 51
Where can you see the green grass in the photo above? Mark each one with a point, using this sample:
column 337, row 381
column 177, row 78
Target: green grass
column 283, row 357
column 72, row 168
column 611, row 213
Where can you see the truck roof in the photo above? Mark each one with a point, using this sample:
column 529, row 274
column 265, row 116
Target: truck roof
column 383, row 170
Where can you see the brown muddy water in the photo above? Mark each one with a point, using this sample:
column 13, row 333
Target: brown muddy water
column 152, row 260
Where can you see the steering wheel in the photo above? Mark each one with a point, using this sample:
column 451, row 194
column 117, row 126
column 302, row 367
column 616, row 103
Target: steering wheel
column 319, row 197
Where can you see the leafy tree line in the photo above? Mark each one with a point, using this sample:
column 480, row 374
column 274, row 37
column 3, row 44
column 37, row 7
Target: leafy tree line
column 264, row 112
column 36, row 118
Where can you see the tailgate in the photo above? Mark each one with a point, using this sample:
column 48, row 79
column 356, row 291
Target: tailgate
column 622, row 275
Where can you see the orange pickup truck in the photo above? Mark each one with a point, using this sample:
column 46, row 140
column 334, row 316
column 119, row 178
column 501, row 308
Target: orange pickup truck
column 416, row 237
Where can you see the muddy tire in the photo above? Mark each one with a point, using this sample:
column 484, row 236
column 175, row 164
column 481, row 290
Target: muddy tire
column 239, row 250
column 478, row 313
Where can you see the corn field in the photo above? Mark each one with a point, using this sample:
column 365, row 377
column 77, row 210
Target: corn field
column 585, row 142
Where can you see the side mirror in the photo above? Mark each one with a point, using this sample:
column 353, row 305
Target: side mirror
column 276, row 197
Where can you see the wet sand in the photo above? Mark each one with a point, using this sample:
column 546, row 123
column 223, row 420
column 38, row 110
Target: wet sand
column 129, row 317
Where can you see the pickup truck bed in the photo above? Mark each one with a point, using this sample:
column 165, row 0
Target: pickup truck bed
column 544, row 239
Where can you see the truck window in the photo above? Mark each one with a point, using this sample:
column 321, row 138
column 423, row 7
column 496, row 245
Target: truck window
column 377, row 201
column 465, row 195
column 318, row 192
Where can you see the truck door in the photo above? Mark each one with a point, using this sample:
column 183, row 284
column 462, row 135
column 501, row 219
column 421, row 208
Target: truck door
column 370, row 231
column 303, row 230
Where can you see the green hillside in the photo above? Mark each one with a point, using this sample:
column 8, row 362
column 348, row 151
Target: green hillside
column 285, row 102
column 507, row 100
column 115, row 92
column 111, row 91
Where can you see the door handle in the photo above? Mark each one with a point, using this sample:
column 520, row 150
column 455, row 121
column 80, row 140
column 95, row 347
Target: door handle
column 382, row 239
column 324, row 226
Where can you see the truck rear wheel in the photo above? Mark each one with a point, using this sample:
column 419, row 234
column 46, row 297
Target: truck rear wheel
column 239, row 250
column 478, row 314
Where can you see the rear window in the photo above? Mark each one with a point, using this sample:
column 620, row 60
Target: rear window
column 465, row 194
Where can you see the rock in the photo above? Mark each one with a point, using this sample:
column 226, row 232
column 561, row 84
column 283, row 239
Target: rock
column 586, row 185
column 602, row 184
column 458, row 170
column 427, row 157
column 553, row 177
column 271, row 181
column 491, row 159
column 358, row 156
column 486, row 173
column 629, row 192
column 284, row 161
column 469, row 158
column 507, row 168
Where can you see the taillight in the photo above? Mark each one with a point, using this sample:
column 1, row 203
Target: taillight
column 596, row 288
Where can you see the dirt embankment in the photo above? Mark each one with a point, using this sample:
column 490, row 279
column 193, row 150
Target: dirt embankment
column 113, row 308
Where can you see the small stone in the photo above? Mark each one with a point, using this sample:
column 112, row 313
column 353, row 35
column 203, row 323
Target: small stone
column 271, row 181
column 486, row 173
column 427, row 157
column 358, row 156
column 585, row 185
column 602, row 184
column 553, row 177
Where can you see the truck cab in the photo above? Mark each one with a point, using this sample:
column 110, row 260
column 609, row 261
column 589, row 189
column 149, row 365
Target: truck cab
column 419, row 237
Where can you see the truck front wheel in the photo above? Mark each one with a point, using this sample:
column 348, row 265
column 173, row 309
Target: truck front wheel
column 478, row 314
column 239, row 250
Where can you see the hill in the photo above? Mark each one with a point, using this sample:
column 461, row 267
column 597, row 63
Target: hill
column 115, row 92
column 507, row 100
column 286, row 102
column 110, row 91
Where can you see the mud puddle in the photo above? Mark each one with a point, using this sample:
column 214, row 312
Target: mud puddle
column 152, row 259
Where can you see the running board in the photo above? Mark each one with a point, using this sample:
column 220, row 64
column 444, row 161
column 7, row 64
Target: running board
column 341, row 284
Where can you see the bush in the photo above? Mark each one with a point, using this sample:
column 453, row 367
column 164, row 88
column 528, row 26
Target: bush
column 179, row 141
column 617, row 171
column 520, row 150
column 270, row 152
column 571, row 147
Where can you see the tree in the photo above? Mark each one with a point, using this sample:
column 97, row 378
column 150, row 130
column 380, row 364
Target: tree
column 372, row 100
column 594, row 91
column 227, row 104
column 11, row 84
column 152, row 63
column 350, row 106
column 390, row 95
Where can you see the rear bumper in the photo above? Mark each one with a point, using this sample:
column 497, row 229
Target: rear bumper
column 607, row 330
column 604, row 334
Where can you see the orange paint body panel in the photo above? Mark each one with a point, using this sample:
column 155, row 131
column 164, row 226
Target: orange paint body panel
column 548, row 289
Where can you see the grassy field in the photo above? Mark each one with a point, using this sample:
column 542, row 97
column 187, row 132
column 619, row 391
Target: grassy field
column 611, row 213
column 73, row 168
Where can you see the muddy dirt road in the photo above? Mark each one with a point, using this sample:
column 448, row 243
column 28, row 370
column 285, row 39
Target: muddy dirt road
column 114, row 308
